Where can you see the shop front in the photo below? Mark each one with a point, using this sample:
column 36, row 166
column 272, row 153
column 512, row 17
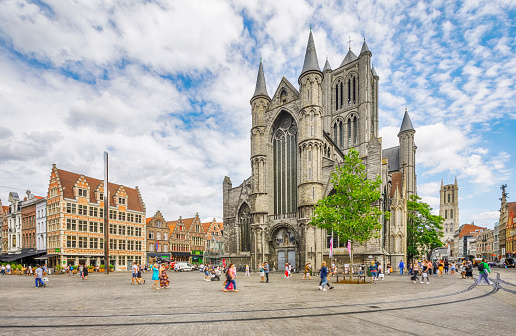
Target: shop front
column 160, row 257
column 181, row 256
column 197, row 257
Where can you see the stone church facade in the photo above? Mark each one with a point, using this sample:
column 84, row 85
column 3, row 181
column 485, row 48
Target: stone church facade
column 298, row 137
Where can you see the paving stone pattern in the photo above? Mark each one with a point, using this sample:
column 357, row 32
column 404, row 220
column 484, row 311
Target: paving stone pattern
column 110, row 305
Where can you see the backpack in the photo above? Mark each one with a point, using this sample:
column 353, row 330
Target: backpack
column 481, row 267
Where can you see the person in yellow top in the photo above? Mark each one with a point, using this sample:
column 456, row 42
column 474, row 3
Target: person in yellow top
column 307, row 272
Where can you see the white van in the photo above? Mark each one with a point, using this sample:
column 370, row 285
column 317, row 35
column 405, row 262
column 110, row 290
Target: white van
column 183, row 266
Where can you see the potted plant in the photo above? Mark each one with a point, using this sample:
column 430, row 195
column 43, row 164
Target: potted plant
column 101, row 269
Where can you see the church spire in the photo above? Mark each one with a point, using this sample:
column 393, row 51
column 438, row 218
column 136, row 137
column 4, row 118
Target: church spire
column 261, row 88
column 406, row 125
column 327, row 65
column 364, row 48
column 311, row 62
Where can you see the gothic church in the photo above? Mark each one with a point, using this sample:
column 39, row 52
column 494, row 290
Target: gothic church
column 298, row 137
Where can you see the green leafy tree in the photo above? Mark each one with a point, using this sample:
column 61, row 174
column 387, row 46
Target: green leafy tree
column 424, row 230
column 352, row 211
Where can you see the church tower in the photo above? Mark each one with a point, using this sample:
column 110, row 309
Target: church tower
column 407, row 154
column 310, row 142
column 449, row 210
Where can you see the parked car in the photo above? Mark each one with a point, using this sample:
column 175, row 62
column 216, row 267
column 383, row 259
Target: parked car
column 506, row 262
column 183, row 266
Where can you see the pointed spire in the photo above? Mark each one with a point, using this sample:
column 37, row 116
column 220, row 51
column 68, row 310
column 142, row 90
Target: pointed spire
column 311, row 62
column 364, row 48
column 455, row 180
column 261, row 88
column 406, row 125
column 327, row 65
column 442, row 183
column 350, row 57
column 374, row 72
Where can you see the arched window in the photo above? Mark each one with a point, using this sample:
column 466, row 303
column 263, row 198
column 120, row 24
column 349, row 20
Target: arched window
column 355, row 130
column 445, row 214
column 337, row 97
column 335, row 130
column 451, row 214
column 285, row 164
column 244, row 219
column 283, row 96
column 349, row 91
column 448, row 198
column 341, row 95
column 354, row 91
column 341, row 135
column 349, row 132
column 158, row 235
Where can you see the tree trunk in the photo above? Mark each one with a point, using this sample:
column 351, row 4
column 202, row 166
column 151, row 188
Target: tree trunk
column 351, row 257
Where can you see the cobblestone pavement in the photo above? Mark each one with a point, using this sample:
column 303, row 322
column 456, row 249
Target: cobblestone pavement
column 110, row 305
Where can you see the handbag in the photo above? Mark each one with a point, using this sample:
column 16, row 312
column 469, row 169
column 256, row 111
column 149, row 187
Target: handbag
column 228, row 276
column 45, row 279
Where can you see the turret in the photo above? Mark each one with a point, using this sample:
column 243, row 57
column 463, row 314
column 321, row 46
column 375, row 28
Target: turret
column 310, row 136
column 408, row 152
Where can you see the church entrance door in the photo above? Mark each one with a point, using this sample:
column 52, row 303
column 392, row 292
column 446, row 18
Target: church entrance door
column 291, row 258
column 281, row 260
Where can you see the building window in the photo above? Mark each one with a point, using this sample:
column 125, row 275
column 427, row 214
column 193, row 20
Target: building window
column 151, row 235
column 93, row 211
column 83, row 210
column 158, row 235
column 121, row 200
column 355, row 130
column 451, row 213
column 71, row 241
column 285, row 164
column 448, row 198
column 244, row 218
column 341, row 134
column 71, row 224
column 341, row 95
column 71, row 208
column 445, row 214
column 83, row 225
column 82, row 192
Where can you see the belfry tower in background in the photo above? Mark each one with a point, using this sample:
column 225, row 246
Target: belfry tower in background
column 449, row 210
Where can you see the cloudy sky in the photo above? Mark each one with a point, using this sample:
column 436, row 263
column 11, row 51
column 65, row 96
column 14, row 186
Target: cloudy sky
column 164, row 87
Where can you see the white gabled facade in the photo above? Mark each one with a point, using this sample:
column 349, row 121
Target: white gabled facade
column 41, row 224
column 14, row 240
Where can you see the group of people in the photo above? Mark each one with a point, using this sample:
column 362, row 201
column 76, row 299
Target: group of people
column 288, row 270
column 264, row 272
column 213, row 273
column 159, row 276
column 81, row 269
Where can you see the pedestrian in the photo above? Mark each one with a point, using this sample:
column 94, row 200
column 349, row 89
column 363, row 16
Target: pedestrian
column 230, row 277
column 80, row 268
column 139, row 274
column 424, row 272
column 483, row 271
column 446, row 266
column 332, row 273
column 380, row 273
column 165, row 282
column 207, row 276
column 440, row 268
column 286, row 271
column 453, row 268
column 409, row 269
column 3, row 270
column 155, row 276
column 247, row 270
column 415, row 272
column 324, row 277
column 469, row 269
column 435, row 265
column 134, row 277
column 266, row 267
column 307, row 272
column 85, row 272
column 262, row 273
column 389, row 269
column 374, row 272
column 401, row 266
column 8, row 269
column 40, row 273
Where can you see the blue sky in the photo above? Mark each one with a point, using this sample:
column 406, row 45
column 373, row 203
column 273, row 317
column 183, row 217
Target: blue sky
column 165, row 86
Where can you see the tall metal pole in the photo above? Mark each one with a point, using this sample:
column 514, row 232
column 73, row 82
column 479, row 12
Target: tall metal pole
column 106, row 214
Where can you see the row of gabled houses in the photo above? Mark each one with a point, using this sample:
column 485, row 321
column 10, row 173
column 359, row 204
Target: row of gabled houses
column 67, row 227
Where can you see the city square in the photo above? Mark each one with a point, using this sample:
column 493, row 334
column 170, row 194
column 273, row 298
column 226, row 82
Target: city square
column 362, row 141
column 110, row 305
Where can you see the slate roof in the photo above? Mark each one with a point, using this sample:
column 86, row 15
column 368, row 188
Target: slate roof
column 364, row 48
column 350, row 57
column 393, row 156
column 68, row 180
column 311, row 62
column 374, row 72
column 327, row 65
column 261, row 87
column 406, row 125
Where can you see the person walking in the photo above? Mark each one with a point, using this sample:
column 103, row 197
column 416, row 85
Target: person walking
column 401, row 266
column 230, row 277
column 483, row 271
column 453, row 268
column 247, row 270
column 266, row 267
column 40, row 273
column 446, row 266
column 85, row 272
column 164, row 281
column 135, row 274
column 139, row 274
column 440, row 268
column 3, row 270
column 424, row 272
column 262, row 273
column 415, row 272
column 374, row 272
column 324, row 277
column 307, row 272
column 155, row 275
column 286, row 271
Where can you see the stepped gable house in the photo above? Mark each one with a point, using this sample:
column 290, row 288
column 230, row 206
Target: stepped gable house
column 298, row 136
column 75, row 221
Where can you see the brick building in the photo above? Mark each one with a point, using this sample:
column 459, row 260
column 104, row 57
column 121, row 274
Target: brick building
column 158, row 238
column 4, row 211
column 75, row 221
column 28, row 217
column 180, row 239
column 214, row 242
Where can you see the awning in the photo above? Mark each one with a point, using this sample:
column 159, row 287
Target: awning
column 46, row 256
column 13, row 257
column 181, row 254
column 158, row 254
